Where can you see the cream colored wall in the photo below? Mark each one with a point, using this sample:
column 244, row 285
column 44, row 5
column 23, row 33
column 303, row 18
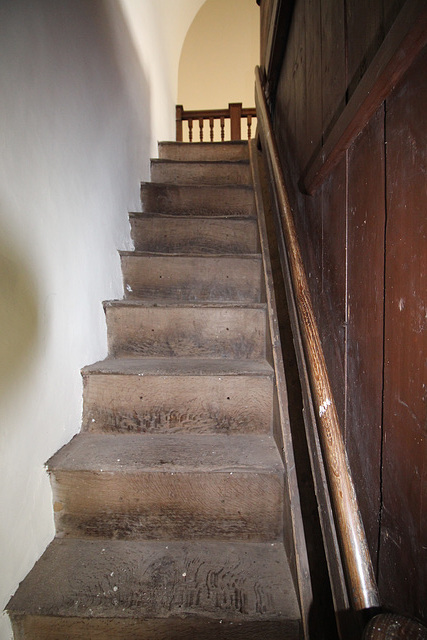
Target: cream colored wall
column 159, row 48
column 81, row 111
column 219, row 55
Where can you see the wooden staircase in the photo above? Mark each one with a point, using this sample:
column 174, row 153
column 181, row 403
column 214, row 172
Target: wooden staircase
column 169, row 503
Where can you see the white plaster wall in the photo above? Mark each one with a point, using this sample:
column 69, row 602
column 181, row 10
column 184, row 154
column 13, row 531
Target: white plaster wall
column 169, row 20
column 77, row 129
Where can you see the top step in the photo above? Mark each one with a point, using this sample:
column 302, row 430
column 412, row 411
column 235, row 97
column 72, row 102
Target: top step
column 204, row 151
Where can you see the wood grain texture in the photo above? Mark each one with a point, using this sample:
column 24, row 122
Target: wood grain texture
column 209, row 173
column 202, row 331
column 192, row 235
column 168, row 486
column 199, row 398
column 204, row 151
column 352, row 538
column 403, row 43
column 192, row 278
column 210, row 200
column 139, row 591
column 403, row 547
column 365, row 251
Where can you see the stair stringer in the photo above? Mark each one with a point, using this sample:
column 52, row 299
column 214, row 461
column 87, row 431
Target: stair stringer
column 294, row 536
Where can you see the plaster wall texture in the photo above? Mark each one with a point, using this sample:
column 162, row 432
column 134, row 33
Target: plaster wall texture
column 76, row 132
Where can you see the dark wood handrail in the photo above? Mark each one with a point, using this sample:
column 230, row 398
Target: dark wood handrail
column 362, row 588
column 234, row 112
column 403, row 43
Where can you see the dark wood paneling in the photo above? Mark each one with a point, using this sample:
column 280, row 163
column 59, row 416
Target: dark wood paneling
column 366, row 220
column 365, row 32
column 403, row 551
column 312, row 139
column 332, row 318
column 333, row 62
column 391, row 467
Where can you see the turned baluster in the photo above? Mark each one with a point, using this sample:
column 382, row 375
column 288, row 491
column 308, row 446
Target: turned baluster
column 222, row 128
column 190, row 130
column 211, row 128
column 249, row 120
column 201, row 122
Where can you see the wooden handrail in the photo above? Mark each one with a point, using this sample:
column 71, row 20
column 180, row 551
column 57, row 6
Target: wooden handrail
column 362, row 588
column 234, row 112
column 403, row 43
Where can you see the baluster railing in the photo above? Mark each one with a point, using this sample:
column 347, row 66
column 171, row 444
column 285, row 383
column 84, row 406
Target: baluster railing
column 234, row 114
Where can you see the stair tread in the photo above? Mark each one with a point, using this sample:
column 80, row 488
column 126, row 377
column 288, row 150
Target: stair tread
column 160, row 215
column 180, row 366
column 168, row 453
column 191, row 256
column 168, row 186
column 184, row 305
column 153, row 580
column 204, row 163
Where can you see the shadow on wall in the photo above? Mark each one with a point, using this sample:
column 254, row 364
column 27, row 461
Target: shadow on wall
column 19, row 317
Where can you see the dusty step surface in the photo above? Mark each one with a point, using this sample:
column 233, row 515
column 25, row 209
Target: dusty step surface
column 193, row 278
column 182, row 234
column 204, row 151
column 157, row 591
column 192, row 330
column 197, row 200
column 208, row 173
column 168, row 486
column 177, row 395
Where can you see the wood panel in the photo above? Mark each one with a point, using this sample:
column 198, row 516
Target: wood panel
column 366, row 220
column 312, row 138
column 332, row 316
column 403, row 551
column 333, row 62
column 365, row 32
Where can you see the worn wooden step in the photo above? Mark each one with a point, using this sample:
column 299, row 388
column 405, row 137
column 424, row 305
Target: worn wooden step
column 177, row 395
column 182, row 234
column 186, row 330
column 193, row 278
column 197, row 200
column 137, row 590
column 208, row 173
column 168, row 487
column 205, row 151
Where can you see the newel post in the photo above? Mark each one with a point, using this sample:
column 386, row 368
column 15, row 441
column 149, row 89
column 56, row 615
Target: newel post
column 178, row 117
column 235, row 109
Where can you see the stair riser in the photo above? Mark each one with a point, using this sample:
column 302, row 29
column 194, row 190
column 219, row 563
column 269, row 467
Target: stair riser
column 177, row 404
column 200, row 200
column 204, row 152
column 200, row 173
column 194, row 235
column 58, row 628
column 192, row 279
column 186, row 332
column 168, row 505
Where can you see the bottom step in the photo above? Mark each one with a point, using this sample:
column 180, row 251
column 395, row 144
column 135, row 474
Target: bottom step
column 157, row 591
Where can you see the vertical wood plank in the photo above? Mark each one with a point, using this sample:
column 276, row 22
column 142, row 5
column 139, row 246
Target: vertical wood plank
column 365, row 32
column 235, row 120
column 333, row 62
column 332, row 316
column 312, row 138
column 366, row 221
column 403, row 551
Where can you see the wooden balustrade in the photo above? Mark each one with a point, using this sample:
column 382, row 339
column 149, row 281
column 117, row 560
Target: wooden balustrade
column 234, row 113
